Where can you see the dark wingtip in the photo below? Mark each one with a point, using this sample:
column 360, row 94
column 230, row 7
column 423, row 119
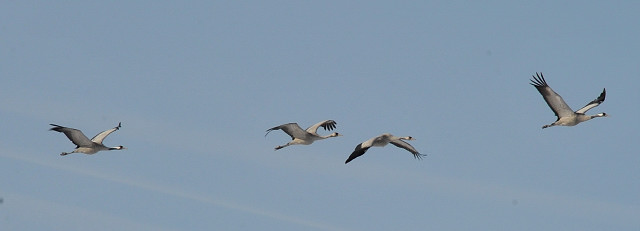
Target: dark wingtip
column 329, row 125
column 358, row 151
column 351, row 157
column 348, row 160
column 419, row 156
column 268, row 130
column 538, row 80
column 55, row 126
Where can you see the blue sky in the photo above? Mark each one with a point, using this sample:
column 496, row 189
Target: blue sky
column 196, row 84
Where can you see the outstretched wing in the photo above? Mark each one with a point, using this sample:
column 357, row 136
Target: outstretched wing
column 593, row 103
column 555, row 101
column 328, row 125
column 75, row 135
column 408, row 147
column 292, row 129
column 100, row 137
column 359, row 151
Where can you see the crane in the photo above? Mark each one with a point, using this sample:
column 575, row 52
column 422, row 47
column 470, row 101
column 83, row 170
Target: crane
column 566, row 116
column 381, row 141
column 305, row 137
column 83, row 144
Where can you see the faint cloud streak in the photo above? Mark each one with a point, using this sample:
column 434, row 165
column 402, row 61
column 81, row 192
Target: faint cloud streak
column 177, row 193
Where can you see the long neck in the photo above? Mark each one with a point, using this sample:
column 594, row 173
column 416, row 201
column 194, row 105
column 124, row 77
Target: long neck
column 599, row 115
column 116, row 148
column 582, row 117
column 328, row 136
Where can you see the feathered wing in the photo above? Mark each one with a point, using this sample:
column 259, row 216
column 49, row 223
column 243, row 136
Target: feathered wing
column 76, row 136
column 555, row 101
column 292, row 129
column 359, row 151
column 593, row 103
column 408, row 147
column 328, row 125
column 100, row 136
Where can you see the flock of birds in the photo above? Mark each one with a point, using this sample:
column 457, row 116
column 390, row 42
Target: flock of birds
column 308, row 136
column 566, row 117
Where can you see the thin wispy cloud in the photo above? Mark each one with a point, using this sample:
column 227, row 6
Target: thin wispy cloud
column 183, row 138
column 172, row 191
column 542, row 201
column 57, row 216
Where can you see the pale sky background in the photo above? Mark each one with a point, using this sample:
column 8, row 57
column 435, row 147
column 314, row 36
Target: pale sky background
column 196, row 84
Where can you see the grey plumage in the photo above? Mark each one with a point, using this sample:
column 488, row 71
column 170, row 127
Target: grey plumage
column 304, row 137
column 381, row 141
column 566, row 116
column 84, row 144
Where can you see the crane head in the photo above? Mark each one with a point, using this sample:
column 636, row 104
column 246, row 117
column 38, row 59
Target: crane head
column 408, row 138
